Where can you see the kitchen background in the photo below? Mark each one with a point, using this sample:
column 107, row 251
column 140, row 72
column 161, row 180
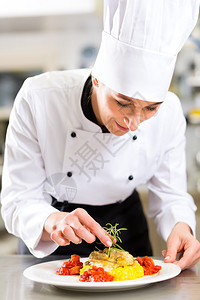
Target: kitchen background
column 44, row 35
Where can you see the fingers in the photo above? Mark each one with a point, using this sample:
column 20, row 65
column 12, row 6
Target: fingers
column 91, row 228
column 164, row 253
column 70, row 234
column 182, row 248
column 191, row 255
column 79, row 230
column 58, row 238
column 63, row 238
column 172, row 250
column 176, row 242
column 77, row 226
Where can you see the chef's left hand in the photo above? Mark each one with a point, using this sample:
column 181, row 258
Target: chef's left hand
column 182, row 242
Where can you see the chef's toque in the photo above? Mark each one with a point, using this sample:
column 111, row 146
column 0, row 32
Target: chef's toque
column 140, row 43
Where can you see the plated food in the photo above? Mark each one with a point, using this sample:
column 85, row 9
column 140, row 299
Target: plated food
column 45, row 273
column 118, row 266
column 109, row 269
column 110, row 264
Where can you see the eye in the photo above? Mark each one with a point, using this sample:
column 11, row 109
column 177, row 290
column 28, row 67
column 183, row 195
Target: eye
column 122, row 104
column 151, row 108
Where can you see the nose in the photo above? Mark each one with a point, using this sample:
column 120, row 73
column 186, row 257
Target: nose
column 132, row 122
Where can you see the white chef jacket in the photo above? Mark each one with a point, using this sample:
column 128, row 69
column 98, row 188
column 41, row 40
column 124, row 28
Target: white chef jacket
column 49, row 137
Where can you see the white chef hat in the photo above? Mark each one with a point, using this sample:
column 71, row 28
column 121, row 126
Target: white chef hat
column 140, row 43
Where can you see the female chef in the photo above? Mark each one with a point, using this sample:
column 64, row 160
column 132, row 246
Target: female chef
column 80, row 142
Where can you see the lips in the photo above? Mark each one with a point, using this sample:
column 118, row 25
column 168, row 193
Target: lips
column 122, row 128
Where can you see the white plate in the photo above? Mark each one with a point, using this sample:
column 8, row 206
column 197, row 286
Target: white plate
column 46, row 273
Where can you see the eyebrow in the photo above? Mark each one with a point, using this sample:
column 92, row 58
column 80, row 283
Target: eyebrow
column 122, row 97
column 155, row 104
column 129, row 100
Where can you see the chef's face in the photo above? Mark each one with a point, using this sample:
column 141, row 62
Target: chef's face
column 120, row 113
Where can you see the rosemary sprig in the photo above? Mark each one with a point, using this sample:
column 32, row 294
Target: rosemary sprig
column 114, row 233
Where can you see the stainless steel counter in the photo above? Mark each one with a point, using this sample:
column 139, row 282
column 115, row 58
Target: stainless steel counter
column 14, row 286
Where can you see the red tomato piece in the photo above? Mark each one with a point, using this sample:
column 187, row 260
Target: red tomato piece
column 71, row 267
column 62, row 271
column 75, row 270
column 95, row 274
column 148, row 265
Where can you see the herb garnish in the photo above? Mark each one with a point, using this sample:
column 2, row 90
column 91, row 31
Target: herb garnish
column 114, row 233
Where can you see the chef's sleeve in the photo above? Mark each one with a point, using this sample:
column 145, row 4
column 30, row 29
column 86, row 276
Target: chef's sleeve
column 25, row 205
column 169, row 202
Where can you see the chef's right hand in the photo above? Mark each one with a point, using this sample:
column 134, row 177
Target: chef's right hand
column 78, row 225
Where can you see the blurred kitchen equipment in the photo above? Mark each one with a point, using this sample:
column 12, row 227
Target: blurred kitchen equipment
column 8, row 89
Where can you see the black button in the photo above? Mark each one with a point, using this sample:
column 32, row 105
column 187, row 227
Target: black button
column 73, row 134
column 130, row 177
column 69, row 174
column 135, row 137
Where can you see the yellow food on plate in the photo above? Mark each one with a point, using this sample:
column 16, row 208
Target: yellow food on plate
column 119, row 264
column 128, row 272
column 114, row 263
